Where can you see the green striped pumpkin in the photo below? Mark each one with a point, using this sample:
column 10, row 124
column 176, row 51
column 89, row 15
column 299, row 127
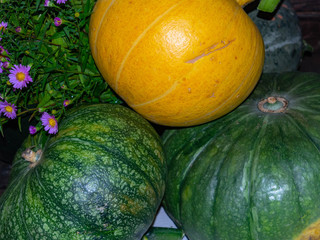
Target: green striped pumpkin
column 101, row 177
column 252, row 174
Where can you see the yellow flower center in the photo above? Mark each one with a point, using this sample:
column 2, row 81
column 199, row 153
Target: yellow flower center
column 20, row 76
column 52, row 122
column 8, row 109
column 1, row 27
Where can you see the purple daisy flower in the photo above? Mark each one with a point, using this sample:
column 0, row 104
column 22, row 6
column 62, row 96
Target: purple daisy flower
column 3, row 51
column 1, row 65
column 46, row 3
column 19, row 76
column 49, row 122
column 3, row 26
column 5, row 64
column 57, row 21
column 66, row 103
column 18, row 29
column 61, row 1
column 9, row 110
column 32, row 129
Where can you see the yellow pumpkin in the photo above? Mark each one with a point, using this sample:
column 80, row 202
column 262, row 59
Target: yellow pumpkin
column 177, row 62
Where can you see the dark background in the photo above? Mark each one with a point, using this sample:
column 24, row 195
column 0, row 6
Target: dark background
column 308, row 12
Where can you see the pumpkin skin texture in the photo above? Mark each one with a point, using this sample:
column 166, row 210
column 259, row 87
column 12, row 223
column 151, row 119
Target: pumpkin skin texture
column 101, row 177
column 250, row 174
column 180, row 62
column 282, row 38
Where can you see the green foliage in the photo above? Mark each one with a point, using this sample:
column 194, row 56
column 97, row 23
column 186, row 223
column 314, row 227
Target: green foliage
column 62, row 67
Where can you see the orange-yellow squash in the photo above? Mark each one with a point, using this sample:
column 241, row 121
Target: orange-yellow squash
column 177, row 62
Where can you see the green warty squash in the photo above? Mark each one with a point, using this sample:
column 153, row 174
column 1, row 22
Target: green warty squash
column 101, row 177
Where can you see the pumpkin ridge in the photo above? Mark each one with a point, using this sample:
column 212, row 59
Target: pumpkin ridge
column 305, row 97
column 298, row 86
column 70, row 215
column 222, row 160
column 47, row 195
column 216, row 192
column 79, row 223
column 174, row 85
column 20, row 216
column 115, row 189
column 245, row 174
column 187, row 169
column 303, row 131
column 150, row 133
column 185, row 174
column 137, row 169
column 181, row 150
column 133, row 165
column 296, row 186
column 100, row 24
column 254, row 221
column 135, row 43
column 120, row 158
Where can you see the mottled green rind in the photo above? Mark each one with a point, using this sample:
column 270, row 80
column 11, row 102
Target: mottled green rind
column 249, row 175
column 282, row 38
column 101, row 177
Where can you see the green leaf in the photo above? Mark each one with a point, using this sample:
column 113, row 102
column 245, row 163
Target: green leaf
column 40, row 22
column 19, row 124
column 1, row 128
column 268, row 5
column 45, row 99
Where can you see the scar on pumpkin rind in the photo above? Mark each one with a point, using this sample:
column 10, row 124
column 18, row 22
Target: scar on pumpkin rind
column 210, row 50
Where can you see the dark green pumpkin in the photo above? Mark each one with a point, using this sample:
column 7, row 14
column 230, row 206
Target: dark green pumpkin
column 252, row 174
column 101, row 177
column 282, row 38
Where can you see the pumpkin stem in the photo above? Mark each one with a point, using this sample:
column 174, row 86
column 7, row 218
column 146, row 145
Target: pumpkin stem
column 31, row 156
column 273, row 105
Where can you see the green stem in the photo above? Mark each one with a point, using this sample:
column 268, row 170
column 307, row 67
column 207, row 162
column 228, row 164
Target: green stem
column 162, row 233
column 268, row 5
column 273, row 105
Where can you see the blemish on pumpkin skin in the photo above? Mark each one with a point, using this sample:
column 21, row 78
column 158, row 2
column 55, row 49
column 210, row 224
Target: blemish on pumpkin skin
column 280, row 16
column 212, row 95
column 213, row 48
column 285, row 6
